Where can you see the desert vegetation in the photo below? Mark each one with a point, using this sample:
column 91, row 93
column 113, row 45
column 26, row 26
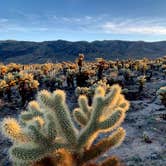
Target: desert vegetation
column 75, row 110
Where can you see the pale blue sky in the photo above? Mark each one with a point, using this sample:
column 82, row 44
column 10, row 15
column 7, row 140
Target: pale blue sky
column 39, row 20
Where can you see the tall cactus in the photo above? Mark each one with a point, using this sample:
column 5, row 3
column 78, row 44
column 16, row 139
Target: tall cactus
column 46, row 132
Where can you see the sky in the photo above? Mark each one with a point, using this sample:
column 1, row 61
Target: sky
column 88, row 20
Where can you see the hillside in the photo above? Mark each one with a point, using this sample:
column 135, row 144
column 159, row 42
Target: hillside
column 60, row 50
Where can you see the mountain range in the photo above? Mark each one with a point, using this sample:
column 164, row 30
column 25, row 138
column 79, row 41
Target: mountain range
column 60, row 50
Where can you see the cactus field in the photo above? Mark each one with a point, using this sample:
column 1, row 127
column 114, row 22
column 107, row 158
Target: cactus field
column 83, row 113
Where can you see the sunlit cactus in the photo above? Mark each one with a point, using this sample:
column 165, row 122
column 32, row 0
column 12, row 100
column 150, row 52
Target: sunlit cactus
column 90, row 91
column 161, row 93
column 3, row 85
column 3, row 70
column 12, row 129
column 106, row 114
column 82, row 91
column 46, row 133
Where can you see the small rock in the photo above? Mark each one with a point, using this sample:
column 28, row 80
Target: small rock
column 153, row 156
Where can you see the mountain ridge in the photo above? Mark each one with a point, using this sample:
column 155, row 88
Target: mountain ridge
column 62, row 50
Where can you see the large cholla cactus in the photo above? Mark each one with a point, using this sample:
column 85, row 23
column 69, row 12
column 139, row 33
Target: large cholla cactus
column 46, row 134
column 161, row 93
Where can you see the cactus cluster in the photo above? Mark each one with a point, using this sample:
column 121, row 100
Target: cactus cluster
column 52, row 76
column 20, row 82
column 47, row 133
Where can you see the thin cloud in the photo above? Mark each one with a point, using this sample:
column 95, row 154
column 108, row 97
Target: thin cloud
column 101, row 24
column 135, row 26
column 76, row 20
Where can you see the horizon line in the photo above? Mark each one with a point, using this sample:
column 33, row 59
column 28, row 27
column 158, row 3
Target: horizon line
column 88, row 41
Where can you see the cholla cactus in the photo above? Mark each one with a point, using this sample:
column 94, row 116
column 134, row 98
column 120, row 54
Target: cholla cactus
column 47, row 67
column 126, row 73
column 161, row 93
column 90, row 91
column 47, row 132
column 9, row 77
column 3, row 70
column 141, row 81
column 25, row 76
column 163, row 68
column 99, row 59
column 82, row 91
column 13, row 67
column 101, row 83
column 34, row 84
column 3, row 85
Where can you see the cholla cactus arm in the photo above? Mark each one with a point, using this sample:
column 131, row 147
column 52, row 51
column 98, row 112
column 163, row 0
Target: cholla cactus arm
column 83, row 103
column 25, row 116
column 123, row 103
column 34, row 107
column 105, row 144
column 29, row 153
column 50, row 128
column 45, row 99
column 11, row 129
column 34, row 113
column 118, row 102
column 113, row 121
column 37, row 136
column 112, row 98
column 82, row 114
column 40, row 145
column 102, row 118
column 56, row 103
column 64, row 118
column 26, row 153
column 89, row 132
column 80, row 117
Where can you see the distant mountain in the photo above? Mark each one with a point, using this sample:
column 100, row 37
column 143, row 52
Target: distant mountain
column 60, row 50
